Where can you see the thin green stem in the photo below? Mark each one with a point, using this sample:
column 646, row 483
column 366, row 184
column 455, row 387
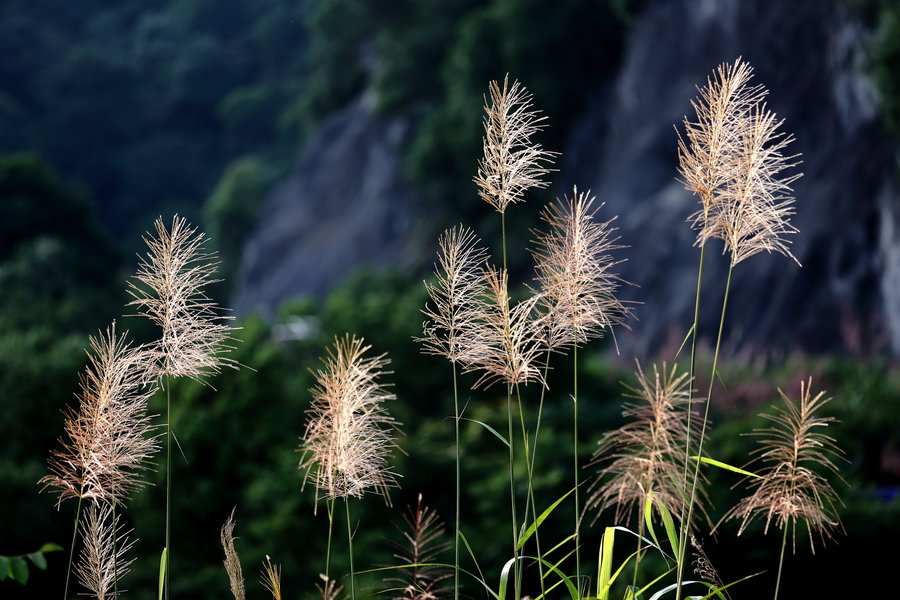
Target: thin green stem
column 639, row 553
column 575, row 452
column 682, row 534
column 512, row 488
column 74, row 539
column 712, row 383
column 115, row 549
column 503, row 227
column 456, row 532
column 168, row 477
column 781, row 559
column 329, row 504
column 537, row 433
column 529, row 464
column 350, row 541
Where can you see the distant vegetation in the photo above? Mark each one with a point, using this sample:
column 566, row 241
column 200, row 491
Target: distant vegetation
column 137, row 108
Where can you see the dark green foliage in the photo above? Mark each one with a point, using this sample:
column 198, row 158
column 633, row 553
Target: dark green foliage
column 56, row 264
column 230, row 215
column 146, row 102
column 433, row 60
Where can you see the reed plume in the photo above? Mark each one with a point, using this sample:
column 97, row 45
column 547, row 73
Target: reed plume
column 271, row 578
column 505, row 341
column 421, row 580
column 173, row 276
column 348, row 437
column 648, row 454
column 511, row 163
column 110, row 437
column 789, row 489
column 733, row 160
column 456, row 298
column 704, row 567
column 331, row 590
column 101, row 562
column 574, row 270
column 455, row 295
column 232, row 561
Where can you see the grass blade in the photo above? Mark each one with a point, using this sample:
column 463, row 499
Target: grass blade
column 671, row 532
column 163, row 561
column 533, row 527
column 727, row 467
column 491, row 429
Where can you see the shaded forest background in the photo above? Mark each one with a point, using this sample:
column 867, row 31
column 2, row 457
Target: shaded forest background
column 113, row 113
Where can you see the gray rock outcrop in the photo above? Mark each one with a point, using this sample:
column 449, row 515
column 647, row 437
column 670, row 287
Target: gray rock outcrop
column 808, row 54
column 345, row 205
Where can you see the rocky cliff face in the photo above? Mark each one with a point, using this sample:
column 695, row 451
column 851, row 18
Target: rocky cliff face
column 344, row 206
column 346, row 203
column 808, row 54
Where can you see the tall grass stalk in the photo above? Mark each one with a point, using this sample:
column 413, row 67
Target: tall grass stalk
column 574, row 270
column 733, row 160
column 348, row 435
column 169, row 291
column 789, row 489
column 511, row 164
column 455, row 297
column 109, row 437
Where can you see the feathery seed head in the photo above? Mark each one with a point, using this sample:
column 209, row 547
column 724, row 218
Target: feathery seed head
column 109, row 436
column 331, row 590
column 420, row 548
column 271, row 578
column 102, row 556
column 574, row 270
column 511, row 163
column 455, row 296
column 348, row 437
column 232, row 562
column 173, row 275
column 733, row 160
column 790, row 489
column 504, row 341
column 648, row 453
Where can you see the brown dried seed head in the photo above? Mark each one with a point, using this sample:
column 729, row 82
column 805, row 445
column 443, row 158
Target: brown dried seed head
column 511, row 163
column 348, row 435
column 733, row 160
column 109, row 437
column 173, row 276
column 790, row 490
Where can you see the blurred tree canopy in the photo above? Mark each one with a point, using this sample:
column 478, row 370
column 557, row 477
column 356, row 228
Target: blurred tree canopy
column 145, row 102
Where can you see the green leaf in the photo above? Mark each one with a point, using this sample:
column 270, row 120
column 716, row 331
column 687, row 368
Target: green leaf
column 51, row 547
column 19, row 569
column 725, row 466
column 475, row 560
column 38, row 559
column 573, row 591
column 504, row 577
column 648, row 518
column 686, row 338
column 163, row 563
column 606, row 550
column 671, row 532
column 669, row 588
column 652, row 583
column 4, row 568
column 718, row 591
column 527, row 535
column 491, row 429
